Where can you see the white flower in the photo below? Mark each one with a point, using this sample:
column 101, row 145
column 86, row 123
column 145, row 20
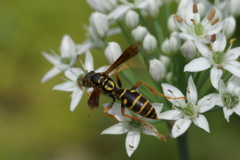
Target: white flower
column 187, row 112
column 112, row 52
column 157, row 70
column 61, row 62
column 153, row 7
column 103, row 6
column 216, row 58
column 99, row 24
column 193, row 28
column 171, row 45
column 230, row 96
column 73, row 84
column 130, row 126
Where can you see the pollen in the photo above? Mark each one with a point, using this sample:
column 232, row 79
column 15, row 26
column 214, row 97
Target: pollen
column 232, row 40
column 211, row 14
column 215, row 21
column 195, row 9
column 179, row 19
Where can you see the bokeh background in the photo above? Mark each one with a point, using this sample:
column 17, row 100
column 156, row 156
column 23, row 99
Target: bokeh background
column 35, row 121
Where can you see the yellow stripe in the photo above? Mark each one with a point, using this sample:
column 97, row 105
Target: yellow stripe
column 142, row 107
column 122, row 93
column 149, row 111
column 133, row 104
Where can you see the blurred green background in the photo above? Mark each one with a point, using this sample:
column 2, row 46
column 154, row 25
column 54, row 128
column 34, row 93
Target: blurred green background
column 36, row 123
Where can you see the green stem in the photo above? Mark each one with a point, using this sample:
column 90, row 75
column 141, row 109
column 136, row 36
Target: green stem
column 158, row 28
column 124, row 32
column 183, row 150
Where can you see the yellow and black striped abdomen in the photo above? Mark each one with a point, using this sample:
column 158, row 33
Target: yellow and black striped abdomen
column 137, row 103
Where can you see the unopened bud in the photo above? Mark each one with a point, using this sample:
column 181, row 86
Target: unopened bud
column 139, row 33
column 149, row 43
column 132, row 19
column 157, row 70
column 99, row 24
column 112, row 52
column 188, row 49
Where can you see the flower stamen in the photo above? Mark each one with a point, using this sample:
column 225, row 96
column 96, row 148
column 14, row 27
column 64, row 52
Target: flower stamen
column 211, row 14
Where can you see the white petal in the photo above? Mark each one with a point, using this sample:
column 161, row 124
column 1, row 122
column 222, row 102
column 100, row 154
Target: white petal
column 208, row 102
column 88, row 66
column 67, row 46
column 67, row 86
column 203, row 49
column 149, row 131
column 118, row 128
column 198, row 64
column 227, row 113
column 202, row 122
column 215, row 75
column 172, row 91
column 192, row 95
column 132, row 141
column 118, row 12
column 233, row 85
column 233, row 67
column 54, row 59
column 233, row 54
column 76, row 97
column 102, row 69
column 50, row 74
column 180, row 127
column 186, row 36
column 73, row 73
column 170, row 115
column 220, row 43
column 158, row 107
column 237, row 109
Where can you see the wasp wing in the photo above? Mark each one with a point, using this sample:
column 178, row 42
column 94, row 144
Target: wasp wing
column 93, row 101
column 127, row 54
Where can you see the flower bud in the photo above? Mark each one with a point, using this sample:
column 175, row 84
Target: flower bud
column 132, row 19
column 175, row 42
column 165, row 60
column 149, row 43
column 112, row 52
column 99, row 24
column 229, row 26
column 139, row 33
column 171, row 24
column 165, row 47
column 156, row 70
column 188, row 49
column 153, row 8
column 234, row 7
column 103, row 6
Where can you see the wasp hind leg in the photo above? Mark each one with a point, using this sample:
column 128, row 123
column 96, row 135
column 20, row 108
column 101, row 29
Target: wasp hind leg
column 139, row 119
column 109, row 107
column 153, row 91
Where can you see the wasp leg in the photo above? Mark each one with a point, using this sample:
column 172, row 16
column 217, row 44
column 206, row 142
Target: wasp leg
column 118, row 81
column 153, row 91
column 139, row 119
column 109, row 107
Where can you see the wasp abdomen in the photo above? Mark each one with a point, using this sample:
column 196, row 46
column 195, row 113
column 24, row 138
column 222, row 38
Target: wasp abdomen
column 137, row 103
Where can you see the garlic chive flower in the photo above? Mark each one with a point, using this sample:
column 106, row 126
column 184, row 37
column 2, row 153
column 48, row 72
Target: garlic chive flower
column 139, row 33
column 62, row 62
column 149, row 43
column 132, row 127
column 132, row 19
column 187, row 111
column 193, row 27
column 216, row 58
column 230, row 96
column 73, row 83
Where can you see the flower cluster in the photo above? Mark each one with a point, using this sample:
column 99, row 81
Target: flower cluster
column 195, row 41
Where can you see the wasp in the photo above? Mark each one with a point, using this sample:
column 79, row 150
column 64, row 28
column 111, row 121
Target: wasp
column 130, row 98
